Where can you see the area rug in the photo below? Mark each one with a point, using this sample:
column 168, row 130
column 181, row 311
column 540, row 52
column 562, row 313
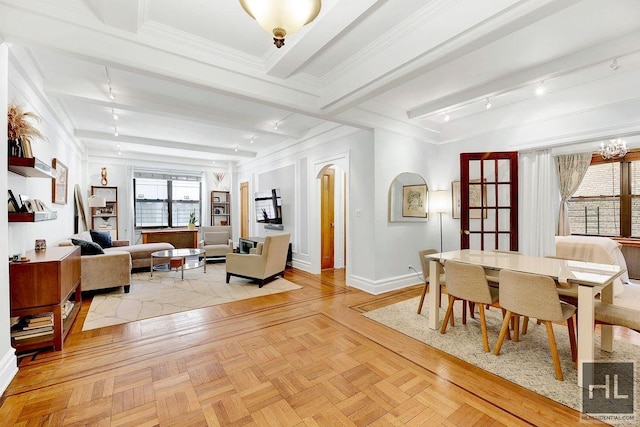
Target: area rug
column 527, row 362
column 165, row 293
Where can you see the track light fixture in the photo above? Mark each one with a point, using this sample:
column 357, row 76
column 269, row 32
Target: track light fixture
column 540, row 89
column 111, row 95
column 614, row 64
column 487, row 104
column 275, row 127
column 446, row 117
column 237, row 148
column 251, row 140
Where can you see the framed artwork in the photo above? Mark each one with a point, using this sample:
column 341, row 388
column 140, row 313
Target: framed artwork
column 13, row 203
column 455, row 199
column 26, row 203
column 414, row 201
column 216, row 199
column 59, row 186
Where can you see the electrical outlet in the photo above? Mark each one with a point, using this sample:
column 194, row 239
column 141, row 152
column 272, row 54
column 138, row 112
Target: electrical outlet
column 410, row 267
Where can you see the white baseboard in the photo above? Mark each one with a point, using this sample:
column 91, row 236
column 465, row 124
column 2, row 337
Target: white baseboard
column 8, row 369
column 381, row 286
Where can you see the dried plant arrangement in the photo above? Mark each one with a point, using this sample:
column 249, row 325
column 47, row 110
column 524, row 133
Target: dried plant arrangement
column 219, row 176
column 20, row 126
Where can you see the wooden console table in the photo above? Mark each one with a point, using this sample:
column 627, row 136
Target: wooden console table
column 43, row 284
column 178, row 237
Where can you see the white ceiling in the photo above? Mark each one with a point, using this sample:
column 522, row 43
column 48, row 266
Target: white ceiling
column 198, row 79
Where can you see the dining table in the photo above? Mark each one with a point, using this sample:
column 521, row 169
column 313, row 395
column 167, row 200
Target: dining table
column 591, row 279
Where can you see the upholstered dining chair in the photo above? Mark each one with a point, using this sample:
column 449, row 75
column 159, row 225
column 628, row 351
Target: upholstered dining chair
column 468, row 283
column 425, row 273
column 533, row 295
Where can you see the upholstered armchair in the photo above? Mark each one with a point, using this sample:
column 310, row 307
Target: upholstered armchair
column 216, row 241
column 267, row 261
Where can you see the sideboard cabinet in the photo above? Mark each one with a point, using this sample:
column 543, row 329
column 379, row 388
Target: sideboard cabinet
column 46, row 282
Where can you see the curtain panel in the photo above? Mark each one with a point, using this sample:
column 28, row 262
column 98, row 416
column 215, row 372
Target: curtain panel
column 570, row 169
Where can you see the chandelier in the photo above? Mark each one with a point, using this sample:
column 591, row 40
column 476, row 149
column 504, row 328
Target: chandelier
column 614, row 148
column 282, row 17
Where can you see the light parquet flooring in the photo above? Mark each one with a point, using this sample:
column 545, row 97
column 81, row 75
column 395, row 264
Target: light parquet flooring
column 301, row 358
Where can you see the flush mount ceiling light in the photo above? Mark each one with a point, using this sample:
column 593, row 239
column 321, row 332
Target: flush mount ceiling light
column 282, row 18
column 614, row 148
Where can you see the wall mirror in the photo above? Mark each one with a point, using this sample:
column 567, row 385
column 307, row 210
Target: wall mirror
column 408, row 198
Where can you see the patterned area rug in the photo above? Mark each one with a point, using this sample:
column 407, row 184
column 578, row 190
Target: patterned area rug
column 166, row 293
column 527, row 362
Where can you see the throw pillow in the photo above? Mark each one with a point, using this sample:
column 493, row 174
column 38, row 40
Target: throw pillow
column 103, row 238
column 87, row 248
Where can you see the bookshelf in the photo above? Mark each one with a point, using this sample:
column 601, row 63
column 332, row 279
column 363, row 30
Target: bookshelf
column 106, row 218
column 220, row 207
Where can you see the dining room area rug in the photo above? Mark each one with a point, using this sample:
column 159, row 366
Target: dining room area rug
column 527, row 362
column 166, row 293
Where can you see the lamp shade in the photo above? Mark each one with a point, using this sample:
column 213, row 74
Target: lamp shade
column 97, row 202
column 439, row 201
column 282, row 18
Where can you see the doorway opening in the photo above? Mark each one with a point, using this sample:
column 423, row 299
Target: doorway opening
column 332, row 217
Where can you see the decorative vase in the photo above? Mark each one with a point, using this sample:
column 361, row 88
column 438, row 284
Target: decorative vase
column 191, row 226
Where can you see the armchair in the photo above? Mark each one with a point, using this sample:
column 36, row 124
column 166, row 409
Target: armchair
column 267, row 261
column 216, row 241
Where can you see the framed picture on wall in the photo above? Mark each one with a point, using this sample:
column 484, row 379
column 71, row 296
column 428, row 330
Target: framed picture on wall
column 59, row 185
column 414, row 201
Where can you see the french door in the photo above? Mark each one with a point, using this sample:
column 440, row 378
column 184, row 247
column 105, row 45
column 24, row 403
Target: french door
column 489, row 201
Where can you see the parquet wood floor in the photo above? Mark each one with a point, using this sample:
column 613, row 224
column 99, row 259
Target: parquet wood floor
column 301, row 358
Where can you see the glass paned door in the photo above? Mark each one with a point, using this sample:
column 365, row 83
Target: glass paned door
column 489, row 201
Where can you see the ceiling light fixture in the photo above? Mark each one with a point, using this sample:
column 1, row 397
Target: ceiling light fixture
column 251, row 140
column 614, row 148
column 114, row 115
column 446, row 117
column 111, row 95
column 487, row 104
column 237, row 148
column 614, row 64
column 275, row 127
column 115, row 130
column 119, row 151
column 540, row 89
column 282, row 18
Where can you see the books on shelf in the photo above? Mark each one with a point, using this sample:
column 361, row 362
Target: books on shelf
column 32, row 326
column 66, row 308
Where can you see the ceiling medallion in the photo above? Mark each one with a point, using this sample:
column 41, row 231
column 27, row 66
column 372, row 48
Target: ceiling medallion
column 282, row 17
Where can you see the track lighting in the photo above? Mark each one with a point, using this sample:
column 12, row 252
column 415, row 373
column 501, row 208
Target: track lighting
column 614, row 64
column 275, row 127
column 540, row 89
column 251, row 140
column 237, row 148
column 446, row 118
column 487, row 104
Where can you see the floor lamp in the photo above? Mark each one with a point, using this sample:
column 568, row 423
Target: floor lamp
column 439, row 202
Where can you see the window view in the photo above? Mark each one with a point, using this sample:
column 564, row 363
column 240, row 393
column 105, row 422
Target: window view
column 604, row 205
column 165, row 201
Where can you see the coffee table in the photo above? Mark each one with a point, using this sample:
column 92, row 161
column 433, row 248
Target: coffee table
column 181, row 256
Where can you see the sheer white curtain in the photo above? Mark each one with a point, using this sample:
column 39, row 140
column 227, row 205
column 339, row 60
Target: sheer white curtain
column 570, row 169
column 538, row 203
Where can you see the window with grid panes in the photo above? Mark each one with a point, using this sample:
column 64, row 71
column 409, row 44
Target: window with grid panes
column 607, row 202
column 165, row 200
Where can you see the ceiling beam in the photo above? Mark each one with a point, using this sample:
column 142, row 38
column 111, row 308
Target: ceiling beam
column 283, row 63
column 194, row 148
column 566, row 64
column 171, row 108
column 123, row 14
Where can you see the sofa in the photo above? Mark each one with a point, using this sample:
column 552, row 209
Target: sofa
column 113, row 267
column 216, row 241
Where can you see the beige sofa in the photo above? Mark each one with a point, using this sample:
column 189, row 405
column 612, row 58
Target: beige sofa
column 216, row 241
column 113, row 268
column 268, row 260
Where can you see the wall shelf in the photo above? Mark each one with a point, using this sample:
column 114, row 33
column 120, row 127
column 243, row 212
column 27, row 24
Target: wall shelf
column 32, row 216
column 30, row 167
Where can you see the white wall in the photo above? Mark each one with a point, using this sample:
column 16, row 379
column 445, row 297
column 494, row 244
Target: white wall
column 19, row 82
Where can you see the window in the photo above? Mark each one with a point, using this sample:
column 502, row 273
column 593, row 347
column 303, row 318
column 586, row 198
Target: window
column 607, row 203
column 165, row 200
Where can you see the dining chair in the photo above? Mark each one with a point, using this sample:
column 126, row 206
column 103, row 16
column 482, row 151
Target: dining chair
column 425, row 273
column 468, row 283
column 611, row 314
column 534, row 295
